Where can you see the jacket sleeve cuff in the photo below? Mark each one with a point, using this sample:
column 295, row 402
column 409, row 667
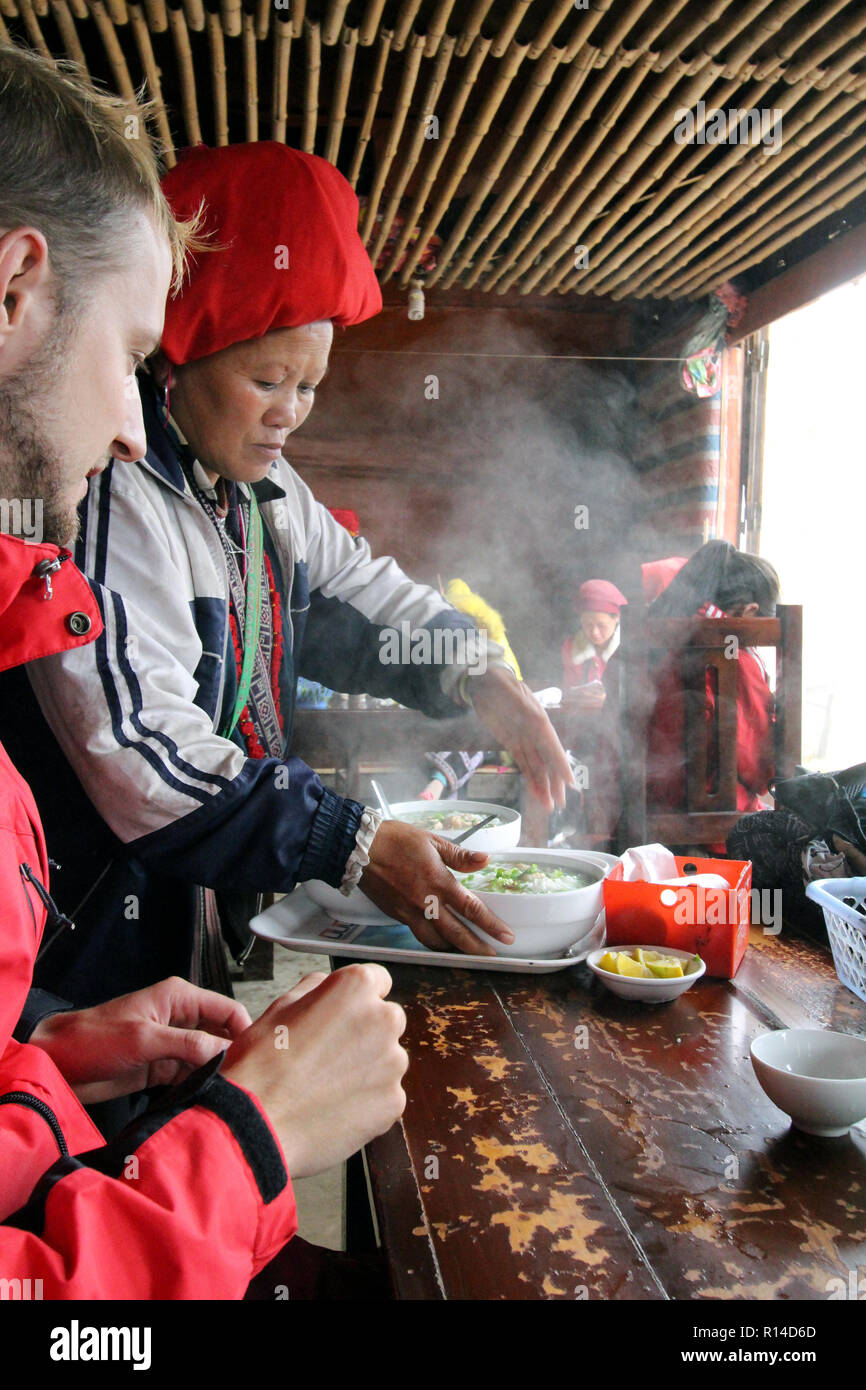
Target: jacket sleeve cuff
column 332, row 839
column 38, row 1005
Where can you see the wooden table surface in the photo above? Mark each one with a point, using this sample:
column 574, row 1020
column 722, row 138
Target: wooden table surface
column 562, row 1143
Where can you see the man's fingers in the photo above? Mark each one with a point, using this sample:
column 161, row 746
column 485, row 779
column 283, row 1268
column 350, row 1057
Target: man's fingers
column 304, row 986
column 189, row 1046
column 460, row 900
column 456, row 933
column 189, row 1006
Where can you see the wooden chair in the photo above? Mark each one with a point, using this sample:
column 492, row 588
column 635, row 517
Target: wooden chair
column 705, row 817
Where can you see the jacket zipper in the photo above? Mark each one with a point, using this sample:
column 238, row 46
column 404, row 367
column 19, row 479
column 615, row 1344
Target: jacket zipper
column 54, row 918
column 34, row 1103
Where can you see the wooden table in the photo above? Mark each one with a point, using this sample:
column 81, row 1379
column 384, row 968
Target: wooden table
column 561, row 1143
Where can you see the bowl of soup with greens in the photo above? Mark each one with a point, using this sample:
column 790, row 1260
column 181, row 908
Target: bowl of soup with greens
column 550, row 898
column 451, row 818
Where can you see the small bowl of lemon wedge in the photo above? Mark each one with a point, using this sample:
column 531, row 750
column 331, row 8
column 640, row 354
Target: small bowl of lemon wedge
column 649, row 973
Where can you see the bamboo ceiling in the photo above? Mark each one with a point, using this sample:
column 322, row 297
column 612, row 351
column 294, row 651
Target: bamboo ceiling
column 514, row 131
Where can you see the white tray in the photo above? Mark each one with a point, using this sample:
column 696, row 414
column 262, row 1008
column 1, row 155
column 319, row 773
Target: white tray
column 298, row 924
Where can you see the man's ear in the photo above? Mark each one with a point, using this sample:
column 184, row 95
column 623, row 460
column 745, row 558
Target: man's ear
column 751, row 610
column 23, row 273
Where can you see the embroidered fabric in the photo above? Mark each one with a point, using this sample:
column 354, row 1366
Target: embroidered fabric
column 360, row 856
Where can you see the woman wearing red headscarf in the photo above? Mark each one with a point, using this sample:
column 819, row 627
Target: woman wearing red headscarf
column 221, row 579
column 585, row 654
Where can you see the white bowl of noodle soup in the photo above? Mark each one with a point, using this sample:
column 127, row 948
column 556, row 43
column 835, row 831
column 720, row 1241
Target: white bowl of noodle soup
column 550, row 898
column 458, row 816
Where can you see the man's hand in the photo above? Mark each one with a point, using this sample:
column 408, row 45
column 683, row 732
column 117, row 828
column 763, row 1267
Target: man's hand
column 590, row 696
column 511, row 712
column 326, row 1063
column 408, row 877
column 154, row 1037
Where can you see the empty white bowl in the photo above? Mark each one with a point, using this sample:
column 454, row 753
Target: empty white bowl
column 635, row 987
column 357, row 907
column 546, row 924
column 815, row 1076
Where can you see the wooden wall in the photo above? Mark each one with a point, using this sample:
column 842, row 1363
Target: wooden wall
column 474, row 465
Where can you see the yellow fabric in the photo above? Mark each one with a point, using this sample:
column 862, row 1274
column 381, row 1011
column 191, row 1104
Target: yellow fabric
column 458, row 593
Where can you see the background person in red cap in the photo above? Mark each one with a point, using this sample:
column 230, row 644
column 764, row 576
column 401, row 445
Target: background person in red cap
column 223, row 580
column 585, row 653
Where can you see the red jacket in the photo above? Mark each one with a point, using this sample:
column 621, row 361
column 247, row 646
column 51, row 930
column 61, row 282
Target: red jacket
column 666, row 734
column 193, row 1198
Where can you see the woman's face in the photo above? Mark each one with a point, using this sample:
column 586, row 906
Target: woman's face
column 598, row 628
column 238, row 407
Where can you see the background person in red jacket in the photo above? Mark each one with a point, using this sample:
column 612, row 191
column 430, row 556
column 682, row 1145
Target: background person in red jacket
column 194, row 1199
column 718, row 581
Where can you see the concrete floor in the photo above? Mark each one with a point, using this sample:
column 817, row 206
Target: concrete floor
column 320, row 1199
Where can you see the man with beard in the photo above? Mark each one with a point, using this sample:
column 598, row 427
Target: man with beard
column 194, row 1198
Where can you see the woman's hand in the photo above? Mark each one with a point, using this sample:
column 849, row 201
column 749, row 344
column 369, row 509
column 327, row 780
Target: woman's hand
column 590, row 696
column 408, row 877
column 154, row 1037
column 518, row 722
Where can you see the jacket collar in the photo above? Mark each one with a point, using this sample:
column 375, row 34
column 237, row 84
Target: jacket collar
column 167, row 454
column 43, row 609
column 586, row 651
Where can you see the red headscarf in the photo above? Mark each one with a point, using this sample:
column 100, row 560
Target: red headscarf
column 599, row 596
column 284, row 226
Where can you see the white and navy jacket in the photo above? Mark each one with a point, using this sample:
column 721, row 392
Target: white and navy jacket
column 136, row 713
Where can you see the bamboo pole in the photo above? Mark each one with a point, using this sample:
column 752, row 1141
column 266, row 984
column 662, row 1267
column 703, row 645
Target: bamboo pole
column 263, row 18
column 459, row 98
column 370, row 22
column 587, row 106
column 496, row 92
column 561, row 226
column 282, row 54
column 612, row 232
column 540, row 79
column 113, row 50
column 405, row 20
column 759, row 187
column 189, row 105
column 251, row 77
column 79, row 9
column 333, row 22
column 411, row 65
column 413, row 153
column 472, row 26
column 68, row 33
column 231, row 13
column 40, row 8
column 9, row 8
column 437, row 26
column 785, row 52
column 217, row 49
column 653, row 148
column 793, row 230
column 670, row 223
column 375, row 91
column 31, row 24
column 4, row 32
column 141, row 34
column 780, row 200
column 515, row 17
column 605, row 281
column 348, row 49
column 313, row 37
column 116, row 11
column 532, row 170
column 554, row 21
column 299, row 8
column 157, row 16
column 627, row 20
column 194, row 11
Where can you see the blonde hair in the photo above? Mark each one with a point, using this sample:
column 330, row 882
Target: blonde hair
column 77, row 163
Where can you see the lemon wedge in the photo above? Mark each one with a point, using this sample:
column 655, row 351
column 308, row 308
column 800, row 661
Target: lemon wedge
column 647, row 957
column 627, row 966
column 609, row 962
column 666, row 969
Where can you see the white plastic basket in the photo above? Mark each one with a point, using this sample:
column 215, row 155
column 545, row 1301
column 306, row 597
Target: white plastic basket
column 846, row 927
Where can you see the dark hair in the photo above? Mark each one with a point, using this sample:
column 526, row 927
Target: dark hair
column 76, row 163
column 718, row 573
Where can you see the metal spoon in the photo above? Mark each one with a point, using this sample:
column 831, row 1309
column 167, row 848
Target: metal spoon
column 464, row 834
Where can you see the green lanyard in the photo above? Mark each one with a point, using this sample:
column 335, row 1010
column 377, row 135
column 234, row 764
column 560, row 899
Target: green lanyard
column 252, row 613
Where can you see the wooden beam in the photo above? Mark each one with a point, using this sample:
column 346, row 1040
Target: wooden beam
column 841, row 260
